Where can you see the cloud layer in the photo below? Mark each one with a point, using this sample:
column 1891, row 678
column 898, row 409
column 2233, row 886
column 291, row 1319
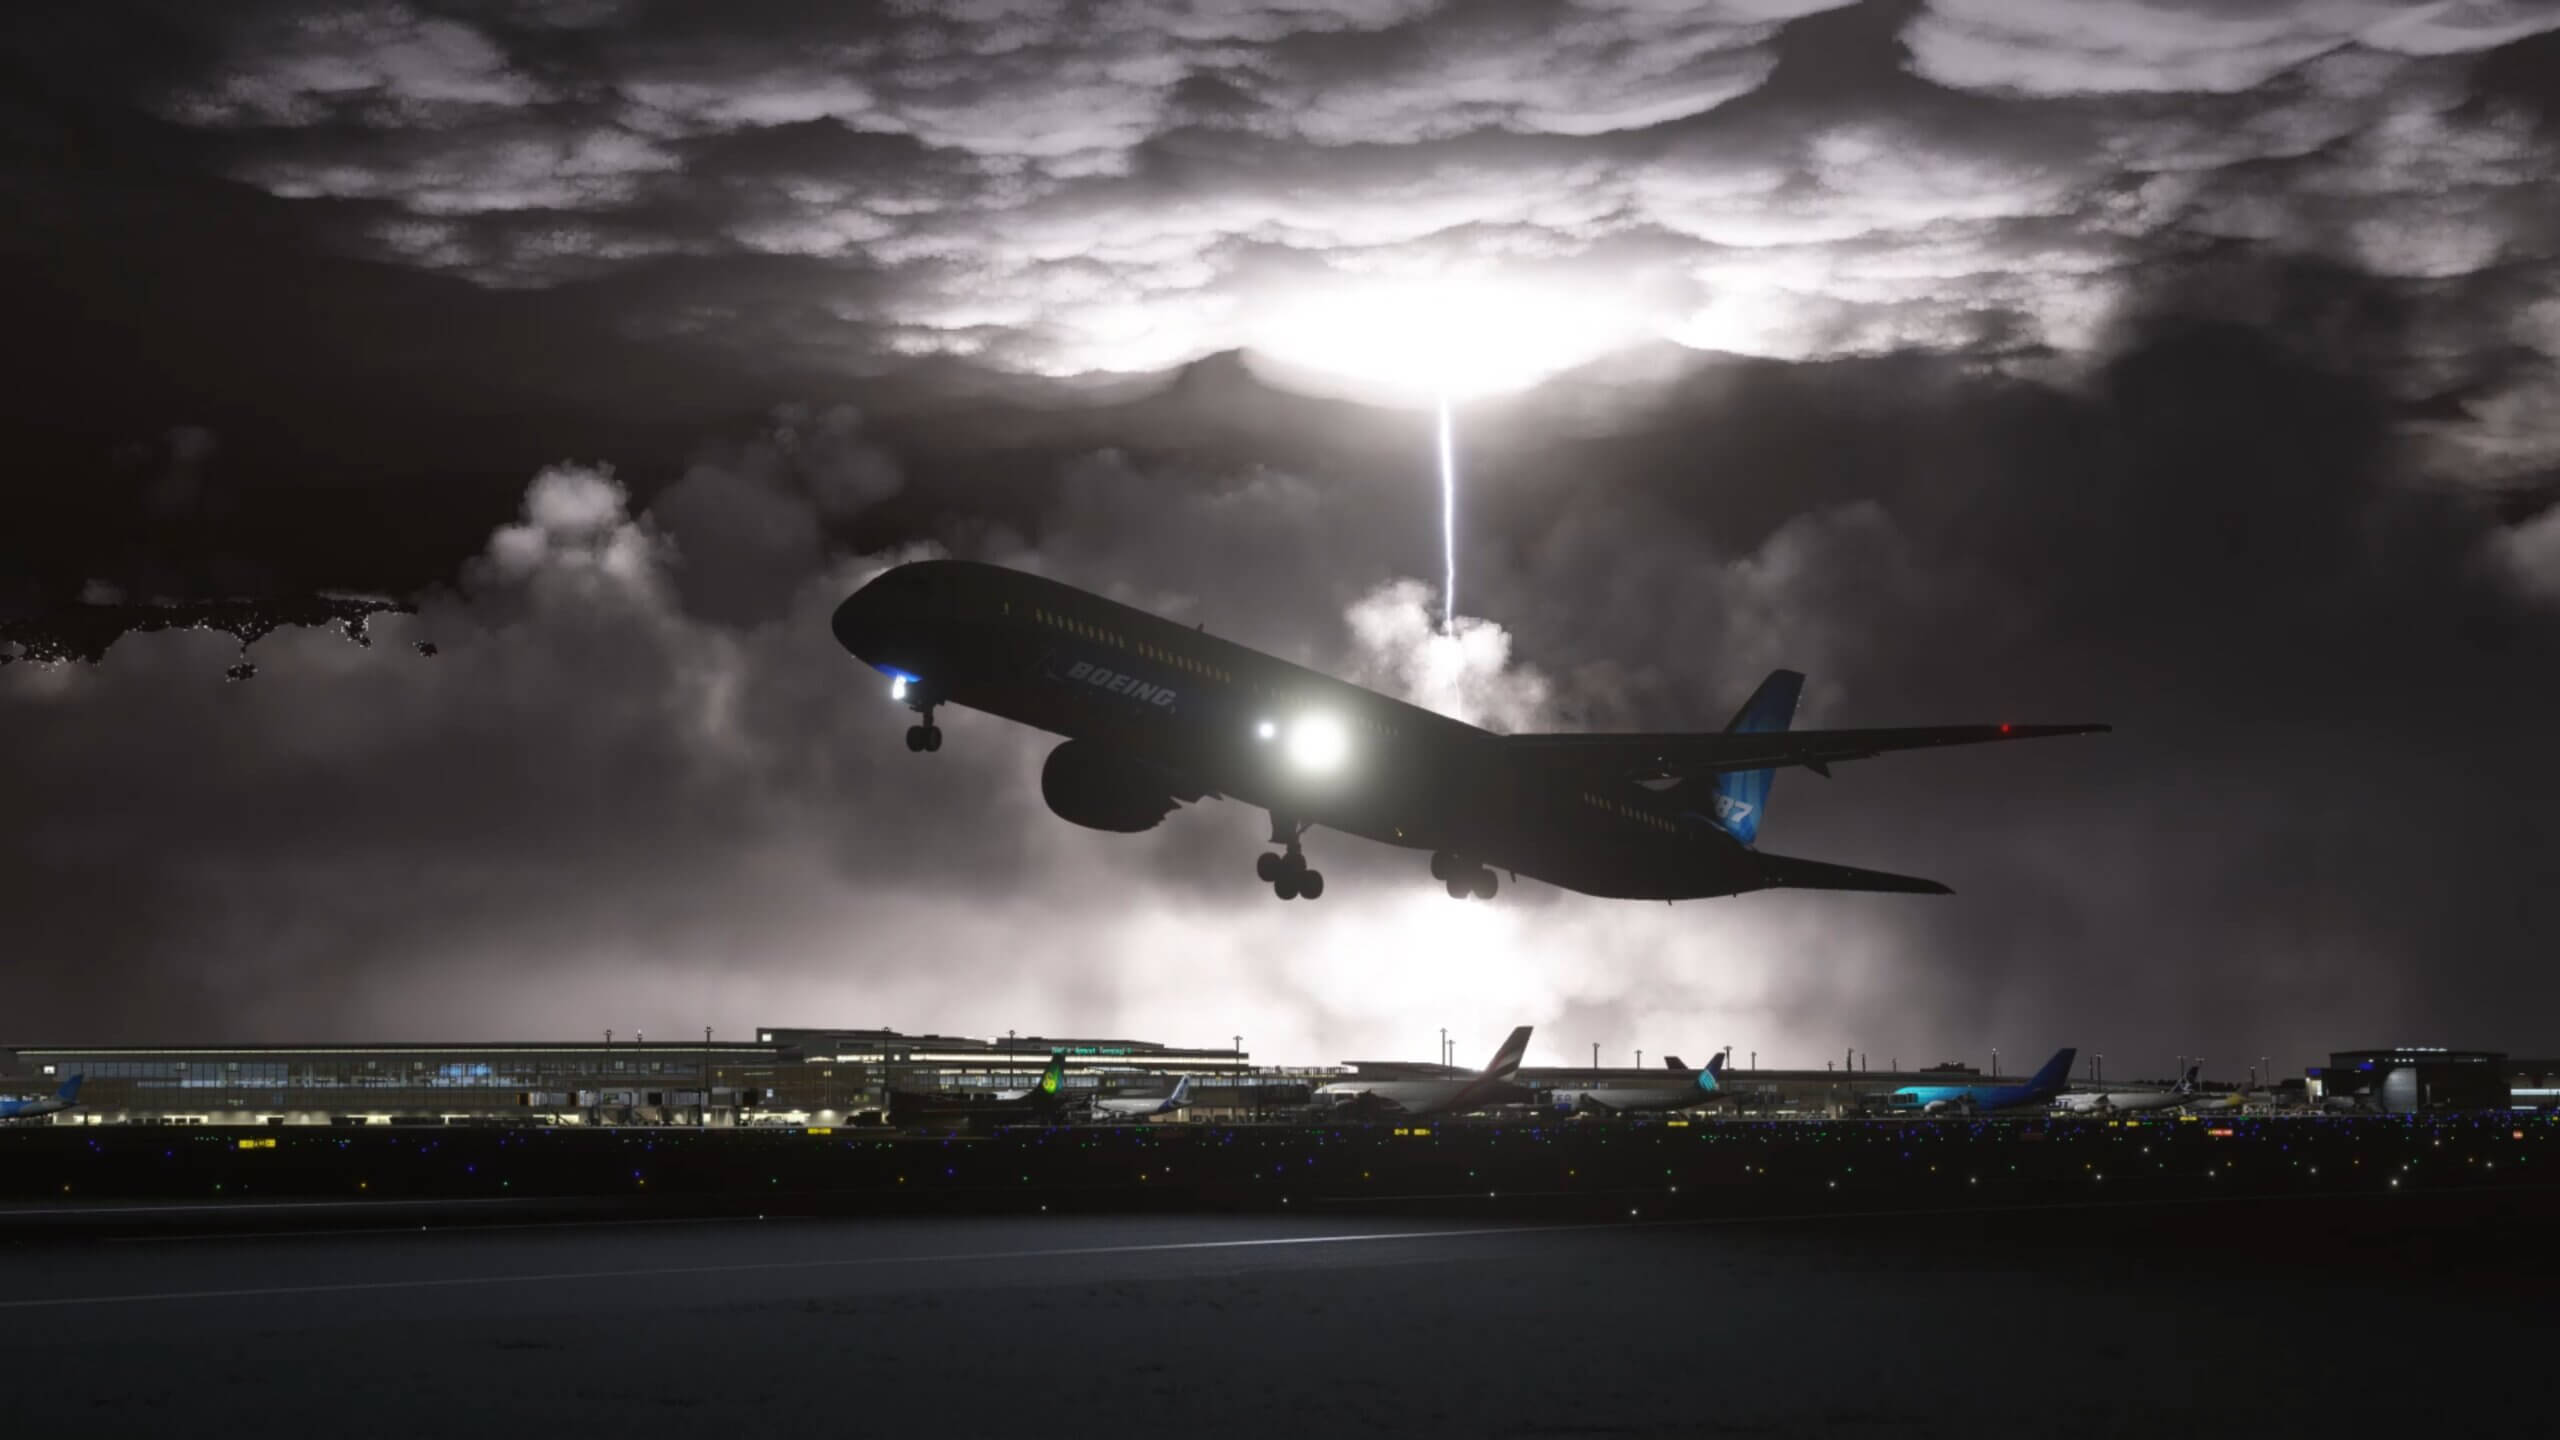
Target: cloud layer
column 2187, row 367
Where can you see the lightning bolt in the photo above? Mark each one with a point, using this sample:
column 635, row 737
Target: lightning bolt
column 1448, row 519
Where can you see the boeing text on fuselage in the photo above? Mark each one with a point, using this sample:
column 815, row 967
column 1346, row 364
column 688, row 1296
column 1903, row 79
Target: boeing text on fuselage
column 1155, row 715
column 1119, row 684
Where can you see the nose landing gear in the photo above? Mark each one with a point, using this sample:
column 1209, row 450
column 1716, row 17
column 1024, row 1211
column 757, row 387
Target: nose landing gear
column 926, row 736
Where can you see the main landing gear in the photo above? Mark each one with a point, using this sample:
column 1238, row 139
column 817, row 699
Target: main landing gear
column 1287, row 873
column 1462, row 877
column 927, row 736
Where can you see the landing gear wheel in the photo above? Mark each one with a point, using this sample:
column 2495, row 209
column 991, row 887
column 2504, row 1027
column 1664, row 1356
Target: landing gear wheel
column 1286, row 887
column 1441, row 864
column 1485, row 884
column 1311, row 885
column 1458, row 888
column 932, row 737
column 915, row 737
column 1268, row 867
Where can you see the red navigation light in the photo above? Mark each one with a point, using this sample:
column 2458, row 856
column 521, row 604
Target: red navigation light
column 2004, row 729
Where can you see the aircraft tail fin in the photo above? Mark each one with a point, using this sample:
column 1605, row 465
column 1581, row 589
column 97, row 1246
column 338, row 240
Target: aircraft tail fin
column 70, row 1090
column 1181, row 1095
column 1712, row 1078
column 2187, row 1082
column 1784, row 872
column 2048, row 1082
column 1672, row 1062
column 1053, row 1079
column 1506, row 1061
column 1742, row 796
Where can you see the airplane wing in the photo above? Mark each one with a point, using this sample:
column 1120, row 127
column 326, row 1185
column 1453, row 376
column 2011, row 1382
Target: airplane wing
column 1679, row 754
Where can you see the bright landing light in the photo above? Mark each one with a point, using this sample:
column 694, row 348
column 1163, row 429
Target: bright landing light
column 1452, row 338
column 1318, row 742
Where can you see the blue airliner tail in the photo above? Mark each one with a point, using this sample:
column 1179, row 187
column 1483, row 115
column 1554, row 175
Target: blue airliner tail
column 2049, row 1081
column 1742, row 796
column 70, row 1090
column 1712, row 1078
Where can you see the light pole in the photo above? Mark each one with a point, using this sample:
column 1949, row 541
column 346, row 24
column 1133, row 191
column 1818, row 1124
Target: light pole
column 706, row 1078
column 1995, row 1062
column 1595, row 1062
column 1444, row 1045
column 1235, row 1075
column 2100, row 1064
column 1639, row 1059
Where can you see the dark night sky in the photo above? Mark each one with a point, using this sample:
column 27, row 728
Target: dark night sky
column 2192, row 366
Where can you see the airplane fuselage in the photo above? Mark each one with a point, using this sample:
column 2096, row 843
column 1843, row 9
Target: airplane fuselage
column 2127, row 1102
column 1216, row 718
column 1427, row 1097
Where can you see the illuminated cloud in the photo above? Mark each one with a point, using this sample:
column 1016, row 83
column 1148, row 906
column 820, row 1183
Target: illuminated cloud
column 1396, row 198
column 2150, row 363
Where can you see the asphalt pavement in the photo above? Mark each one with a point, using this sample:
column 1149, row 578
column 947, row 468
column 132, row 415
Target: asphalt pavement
column 2083, row 1318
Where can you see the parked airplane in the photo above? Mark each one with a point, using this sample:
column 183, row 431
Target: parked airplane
column 28, row 1107
column 1688, row 1088
column 1437, row 1095
column 1972, row 1099
column 1157, row 715
column 1120, row 1107
column 2128, row 1102
column 1043, row 1103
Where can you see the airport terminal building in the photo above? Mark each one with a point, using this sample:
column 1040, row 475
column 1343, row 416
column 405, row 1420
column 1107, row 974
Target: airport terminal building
column 2409, row 1079
column 786, row 1076
column 789, row 1075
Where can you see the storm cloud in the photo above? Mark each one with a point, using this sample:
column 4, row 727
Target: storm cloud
column 2191, row 368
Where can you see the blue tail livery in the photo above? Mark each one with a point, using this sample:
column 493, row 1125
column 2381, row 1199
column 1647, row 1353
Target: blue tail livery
column 1742, row 796
column 29, row 1107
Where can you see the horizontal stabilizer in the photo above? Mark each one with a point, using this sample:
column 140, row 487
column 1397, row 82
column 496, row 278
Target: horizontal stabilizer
column 1787, row 872
column 1669, row 755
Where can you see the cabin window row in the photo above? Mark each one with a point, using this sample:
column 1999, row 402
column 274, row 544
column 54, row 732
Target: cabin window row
column 1100, row 636
column 1625, row 811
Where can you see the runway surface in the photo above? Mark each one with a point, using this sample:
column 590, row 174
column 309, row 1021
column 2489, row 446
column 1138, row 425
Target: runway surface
column 2102, row 1319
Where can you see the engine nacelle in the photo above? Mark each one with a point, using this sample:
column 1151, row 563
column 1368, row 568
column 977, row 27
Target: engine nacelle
column 1105, row 789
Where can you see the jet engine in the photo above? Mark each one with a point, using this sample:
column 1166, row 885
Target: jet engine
column 1105, row 789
